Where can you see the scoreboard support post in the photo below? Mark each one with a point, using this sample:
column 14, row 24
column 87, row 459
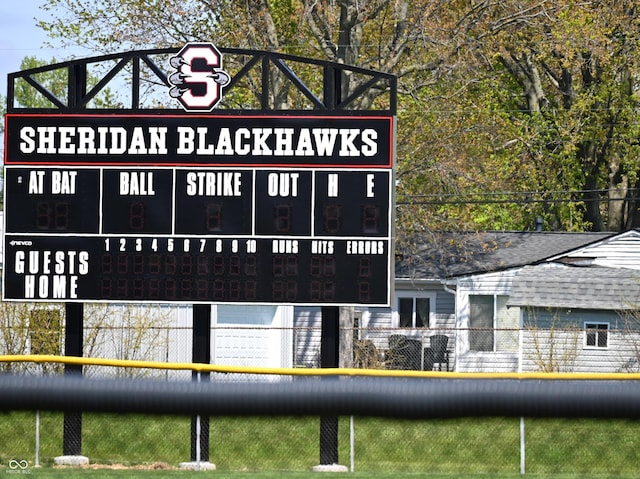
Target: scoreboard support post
column 329, row 356
column 72, row 436
column 201, row 353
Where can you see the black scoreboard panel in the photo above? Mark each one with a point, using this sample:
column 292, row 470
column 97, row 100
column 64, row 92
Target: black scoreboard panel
column 352, row 203
column 306, row 236
column 95, row 230
column 49, row 200
column 214, row 202
column 192, row 269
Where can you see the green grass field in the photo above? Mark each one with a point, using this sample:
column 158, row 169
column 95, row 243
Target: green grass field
column 289, row 447
column 102, row 474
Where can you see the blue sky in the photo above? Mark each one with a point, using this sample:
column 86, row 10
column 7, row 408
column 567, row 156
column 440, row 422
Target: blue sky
column 21, row 37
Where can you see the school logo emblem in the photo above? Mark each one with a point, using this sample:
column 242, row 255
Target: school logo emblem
column 198, row 80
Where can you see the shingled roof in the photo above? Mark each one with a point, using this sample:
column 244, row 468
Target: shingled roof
column 447, row 255
column 560, row 286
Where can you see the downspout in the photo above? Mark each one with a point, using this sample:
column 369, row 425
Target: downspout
column 520, row 340
column 447, row 288
column 453, row 291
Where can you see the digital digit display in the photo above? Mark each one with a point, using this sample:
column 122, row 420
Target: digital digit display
column 270, row 210
column 48, row 200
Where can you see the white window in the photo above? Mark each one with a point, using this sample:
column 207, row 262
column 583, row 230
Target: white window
column 415, row 311
column 492, row 326
column 481, row 310
column 596, row 335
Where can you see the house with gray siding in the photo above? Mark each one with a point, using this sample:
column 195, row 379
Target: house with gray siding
column 542, row 301
column 578, row 318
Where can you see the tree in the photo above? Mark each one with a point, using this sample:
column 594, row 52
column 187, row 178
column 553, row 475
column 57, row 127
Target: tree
column 577, row 69
column 420, row 41
column 508, row 110
column 56, row 83
column 553, row 347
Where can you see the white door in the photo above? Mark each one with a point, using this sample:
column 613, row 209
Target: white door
column 258, row 336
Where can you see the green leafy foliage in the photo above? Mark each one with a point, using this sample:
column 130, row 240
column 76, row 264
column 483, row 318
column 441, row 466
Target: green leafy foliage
column 508, row 111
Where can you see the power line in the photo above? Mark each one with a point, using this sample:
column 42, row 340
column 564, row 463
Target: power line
column 518, row 198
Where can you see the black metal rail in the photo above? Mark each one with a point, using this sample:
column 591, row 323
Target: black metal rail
column 334, row 96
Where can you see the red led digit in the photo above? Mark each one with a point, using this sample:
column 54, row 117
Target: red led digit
column 185, row 287
column 121, row 287
column 234, row 290
column 234, row 265
column 154, row 288
column 283, row 218
column 107, row 264
column 138, row 288
column 201, row 288
column 315, row 290
column 292, row 266
column 331, row 215
column 292, row 290
column 250, row 288
column 186, row 264
column 277, row 290
column 250, row 268
column 42, row 215
column 315, row 266
column 218, row 289
column 214, row 216
column 329, row 290
column 170, row 288
column 138, row 264
column 122, row 264
column 203, row 265
column 218, row 265
column 106, row 288
column 61, row 215
column 370, row 219
column 136, row 216
column 277, row 266
column 170, row 264
column 364, row 267
column 329, row 266
column 364, row 291
column 154, row 264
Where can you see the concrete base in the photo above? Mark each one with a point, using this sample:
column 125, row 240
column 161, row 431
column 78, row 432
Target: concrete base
column 71, row 461
column 330, row 468
column 198, row 466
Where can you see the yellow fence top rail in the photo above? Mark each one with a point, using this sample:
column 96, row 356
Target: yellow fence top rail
column 215, row 368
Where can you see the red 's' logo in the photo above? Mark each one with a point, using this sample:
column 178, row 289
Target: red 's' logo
column 198, row 81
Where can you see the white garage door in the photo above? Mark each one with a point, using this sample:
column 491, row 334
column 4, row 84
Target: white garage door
column 252, row 336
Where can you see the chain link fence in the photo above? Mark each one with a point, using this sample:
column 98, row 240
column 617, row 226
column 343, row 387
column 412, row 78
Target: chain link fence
column 479, row 446
column 466, row 445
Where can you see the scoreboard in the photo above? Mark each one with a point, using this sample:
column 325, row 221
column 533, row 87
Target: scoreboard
column 198, row 208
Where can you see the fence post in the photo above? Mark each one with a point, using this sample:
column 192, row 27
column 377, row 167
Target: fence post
column 522, row 446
